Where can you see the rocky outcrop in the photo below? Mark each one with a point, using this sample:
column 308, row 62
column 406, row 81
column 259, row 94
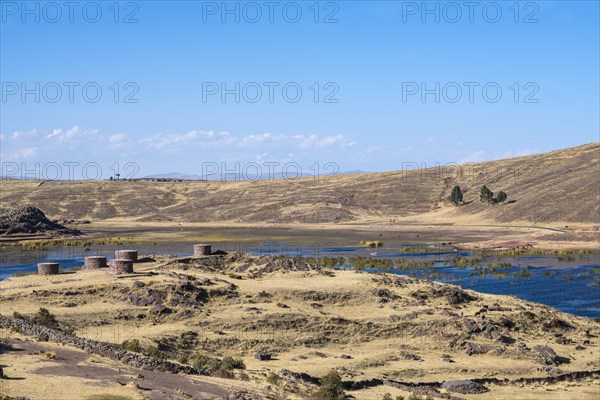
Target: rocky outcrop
column 548, row 356
column 28, row 219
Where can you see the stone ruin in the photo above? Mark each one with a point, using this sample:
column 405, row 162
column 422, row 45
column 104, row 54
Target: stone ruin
column 94, row 262
column 120, row 266
column 202, row 250
column 48, row 268
column 131, row 255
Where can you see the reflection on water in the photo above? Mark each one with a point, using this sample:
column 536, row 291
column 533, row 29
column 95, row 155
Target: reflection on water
column 568, row 283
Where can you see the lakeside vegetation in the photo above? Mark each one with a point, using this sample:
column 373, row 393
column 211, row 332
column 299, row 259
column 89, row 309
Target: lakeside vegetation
column 44, row 244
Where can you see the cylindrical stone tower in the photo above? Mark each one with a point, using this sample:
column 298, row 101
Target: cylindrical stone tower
column 131, row 255
column 94, row 262
column 48, row 268
column 202, row 250
column 119, row 267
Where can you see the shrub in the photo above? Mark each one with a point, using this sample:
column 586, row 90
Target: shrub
column 182, row 358
column 18, row 315
column 501, row 198
column 244, row 376
column 388, row 396
column 456, row 197
column 223, row 373
column 204, row 365
column 132, row 345
column 486, row 194
column 331, row 387
column 230, row 363
column 415, row 396
column 43, row 317
column 154, row 352
column 273, row 378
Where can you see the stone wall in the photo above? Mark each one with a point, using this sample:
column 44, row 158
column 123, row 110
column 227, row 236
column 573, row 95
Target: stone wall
column 131, row 255
column 48, row 268
column 109, row 350
column 94, row 262
column 119, row 267
column 202, row 250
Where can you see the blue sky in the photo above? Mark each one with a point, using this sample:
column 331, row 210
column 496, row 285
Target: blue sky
column 370, row 61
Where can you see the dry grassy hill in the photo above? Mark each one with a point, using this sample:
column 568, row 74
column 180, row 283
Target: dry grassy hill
column 559, row 186
column 381, row 332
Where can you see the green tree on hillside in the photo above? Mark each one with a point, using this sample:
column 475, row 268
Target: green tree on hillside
column 501, row 198
column 456, row 197
column 331, row 387
column 486, row 194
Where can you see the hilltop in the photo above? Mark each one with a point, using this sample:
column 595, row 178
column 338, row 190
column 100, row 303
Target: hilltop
column 555, row 187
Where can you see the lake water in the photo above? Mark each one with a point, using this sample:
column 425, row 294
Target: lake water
column 570, row 284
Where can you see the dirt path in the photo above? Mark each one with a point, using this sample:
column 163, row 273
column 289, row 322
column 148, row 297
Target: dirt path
column 102, row 372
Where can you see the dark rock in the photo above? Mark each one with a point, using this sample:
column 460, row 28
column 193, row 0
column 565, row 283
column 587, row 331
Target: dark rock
column 394, row 318
column 556, row 324
column 506, row 322
column 454, row 294
column 161, row 309
column 470, row 326
column 262, row 355
column 464, row 387
column 549, row 357
column 410, row 356
column 472, row 348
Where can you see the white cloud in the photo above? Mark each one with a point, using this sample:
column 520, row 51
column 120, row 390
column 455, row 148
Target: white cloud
column 73, row 134
column 305, row 142
column 255, row 139
column 118, row 138
column 26, row 153
column 83, row 144
column 28, row 135
column 164, row 141
column 263, row 157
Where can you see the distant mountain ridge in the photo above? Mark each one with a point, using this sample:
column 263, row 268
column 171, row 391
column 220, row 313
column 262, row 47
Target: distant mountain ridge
column 234, row 176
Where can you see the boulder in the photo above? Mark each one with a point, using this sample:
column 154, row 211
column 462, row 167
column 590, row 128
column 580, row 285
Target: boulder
column 262, row 355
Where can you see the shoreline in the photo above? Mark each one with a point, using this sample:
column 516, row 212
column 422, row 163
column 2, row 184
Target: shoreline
column 461, row 236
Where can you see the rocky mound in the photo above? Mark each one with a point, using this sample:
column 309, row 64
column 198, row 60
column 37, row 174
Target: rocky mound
column 28, row 219
column 244, row 263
